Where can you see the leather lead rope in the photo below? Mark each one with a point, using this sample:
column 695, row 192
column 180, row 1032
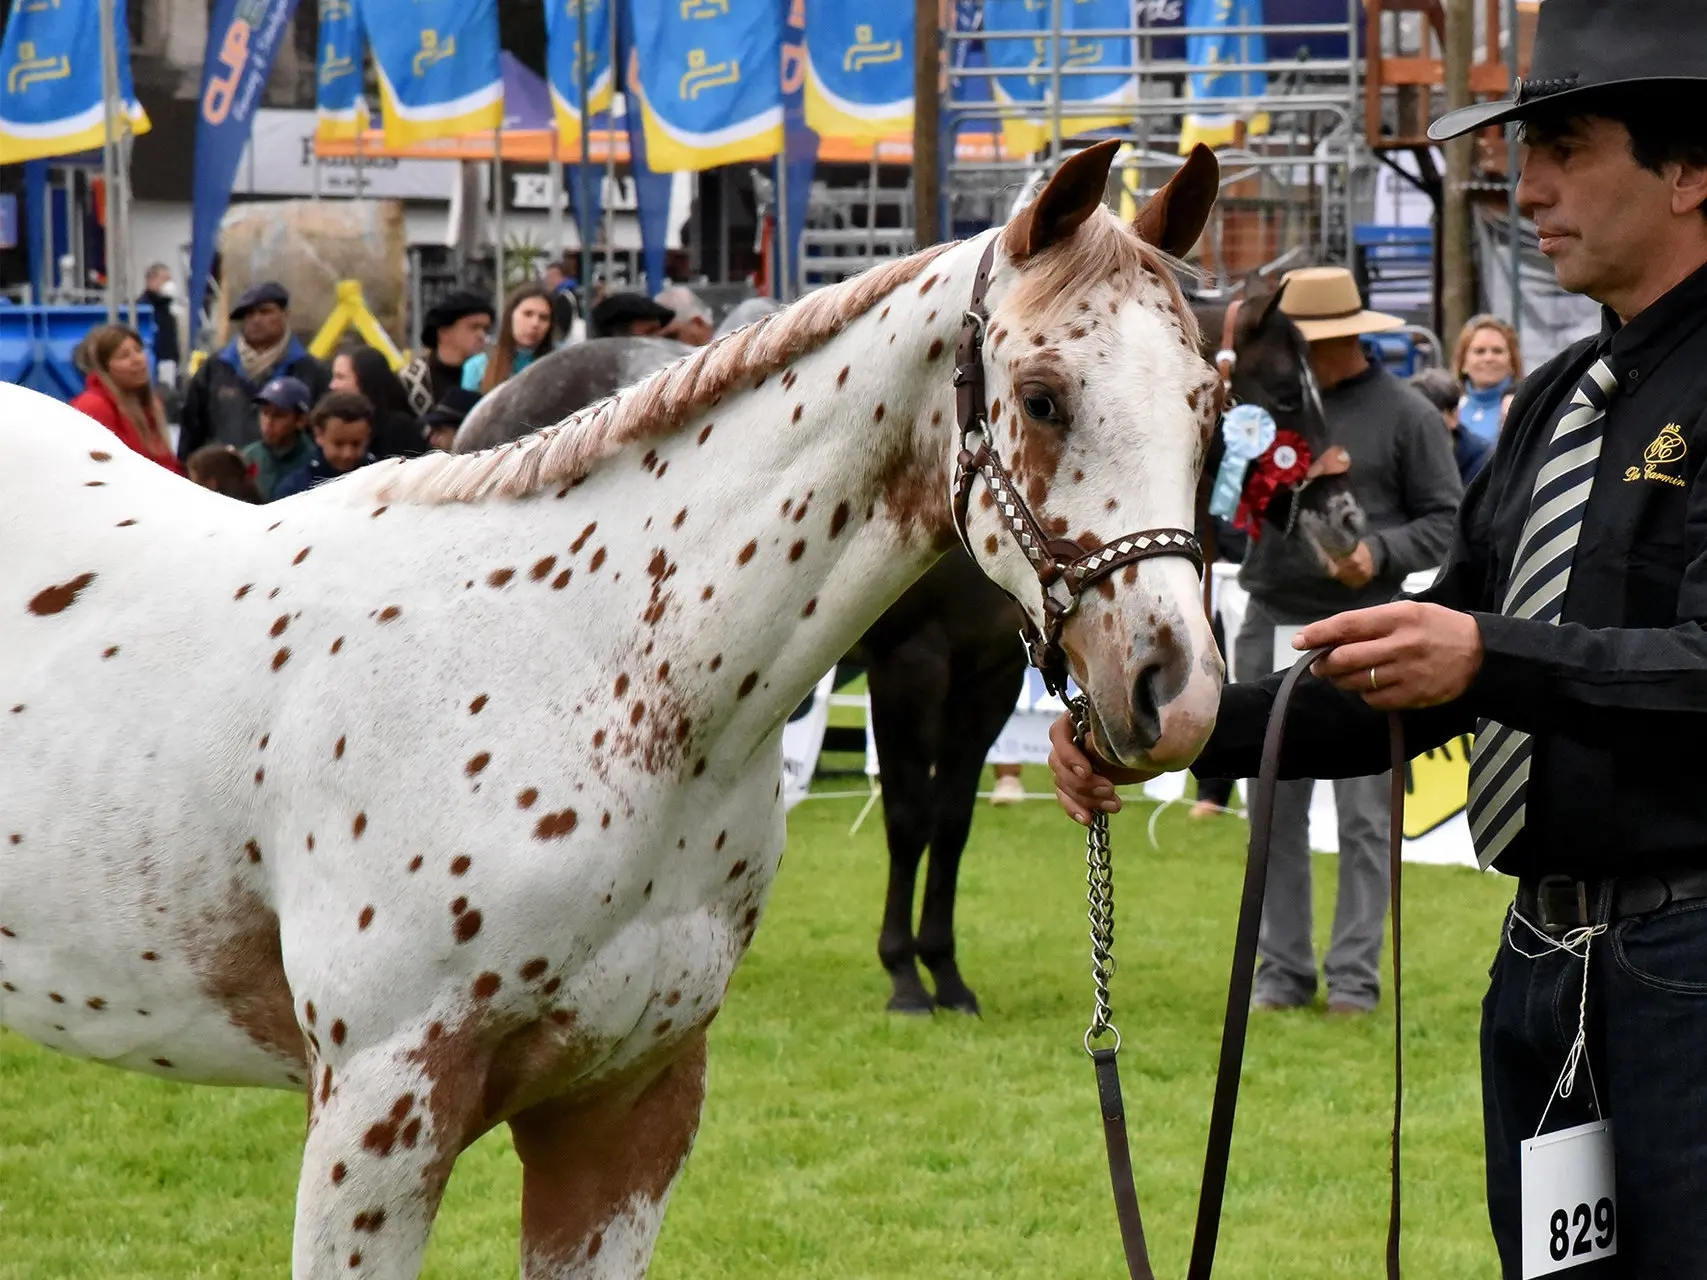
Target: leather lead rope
column 1235, row 1024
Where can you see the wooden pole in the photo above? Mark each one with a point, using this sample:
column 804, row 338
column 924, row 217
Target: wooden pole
column 927, row 106
column 1457, row 288
column 109, row 159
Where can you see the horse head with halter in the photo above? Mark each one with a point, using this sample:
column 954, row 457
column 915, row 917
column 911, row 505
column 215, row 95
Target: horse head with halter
column 1278, row 471
column 1048, row 455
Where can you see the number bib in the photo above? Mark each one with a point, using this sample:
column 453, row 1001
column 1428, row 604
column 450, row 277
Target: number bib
column 1569, row 1211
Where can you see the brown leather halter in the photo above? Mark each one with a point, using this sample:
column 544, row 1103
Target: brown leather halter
column 1064, row 569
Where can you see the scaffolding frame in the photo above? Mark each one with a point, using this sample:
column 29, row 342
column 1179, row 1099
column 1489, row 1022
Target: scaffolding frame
column 1307, row 172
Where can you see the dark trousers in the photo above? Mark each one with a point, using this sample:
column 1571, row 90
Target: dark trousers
column 1647, row 1043
column 1218, row 791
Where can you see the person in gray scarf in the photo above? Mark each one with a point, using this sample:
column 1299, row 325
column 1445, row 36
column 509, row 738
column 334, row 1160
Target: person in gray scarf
column 219, row 406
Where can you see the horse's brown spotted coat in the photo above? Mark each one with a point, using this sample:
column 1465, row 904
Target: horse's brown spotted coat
column 463, row 945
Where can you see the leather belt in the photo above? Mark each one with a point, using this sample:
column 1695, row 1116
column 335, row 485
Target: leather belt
column 1557, row 904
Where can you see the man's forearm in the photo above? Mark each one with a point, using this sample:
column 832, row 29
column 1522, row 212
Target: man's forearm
column 1329, row 733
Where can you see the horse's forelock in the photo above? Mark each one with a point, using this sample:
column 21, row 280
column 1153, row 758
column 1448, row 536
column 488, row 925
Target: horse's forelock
column 1103, row 250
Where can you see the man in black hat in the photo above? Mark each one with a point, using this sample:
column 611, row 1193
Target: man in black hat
column 219, row 405
column 454, row 330
column 629, row 315
column 1568, row 632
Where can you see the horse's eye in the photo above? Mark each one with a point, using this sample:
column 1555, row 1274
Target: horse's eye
column 1038, row 405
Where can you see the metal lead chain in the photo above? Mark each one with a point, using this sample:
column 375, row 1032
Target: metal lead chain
column 1099, row 893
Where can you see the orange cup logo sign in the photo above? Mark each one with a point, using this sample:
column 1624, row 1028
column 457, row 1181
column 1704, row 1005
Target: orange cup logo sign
column 222, row 89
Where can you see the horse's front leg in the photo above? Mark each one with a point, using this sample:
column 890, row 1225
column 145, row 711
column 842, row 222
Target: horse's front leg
column 597, row 1173
column 383, row 1134
column 907, row 687
column 986, row 685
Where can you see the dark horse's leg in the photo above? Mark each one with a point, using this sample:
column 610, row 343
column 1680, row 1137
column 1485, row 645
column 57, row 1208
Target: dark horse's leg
column 984, row 686
column 907, row 684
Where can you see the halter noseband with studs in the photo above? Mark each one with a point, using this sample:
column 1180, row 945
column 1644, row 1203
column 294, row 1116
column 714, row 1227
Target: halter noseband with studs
column 1065, row 570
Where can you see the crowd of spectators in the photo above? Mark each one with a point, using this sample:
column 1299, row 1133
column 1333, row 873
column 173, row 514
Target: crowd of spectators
column 262, row 418
column 264, row 404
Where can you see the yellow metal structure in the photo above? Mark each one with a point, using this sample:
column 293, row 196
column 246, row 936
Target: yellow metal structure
column 352, row 313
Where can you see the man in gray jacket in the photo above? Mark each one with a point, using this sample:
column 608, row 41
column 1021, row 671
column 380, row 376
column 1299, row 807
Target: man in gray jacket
column 1405, row 479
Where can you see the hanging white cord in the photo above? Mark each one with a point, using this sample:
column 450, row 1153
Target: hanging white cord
column 1577, row 942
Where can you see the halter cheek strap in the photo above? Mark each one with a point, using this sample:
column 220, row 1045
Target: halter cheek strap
column 1065, row 569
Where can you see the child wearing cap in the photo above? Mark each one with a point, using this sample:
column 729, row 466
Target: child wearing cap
column 443, row 419
column 283, row 446
column 343, row 428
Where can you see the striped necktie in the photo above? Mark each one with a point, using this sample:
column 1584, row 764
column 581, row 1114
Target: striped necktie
column 1499, row 760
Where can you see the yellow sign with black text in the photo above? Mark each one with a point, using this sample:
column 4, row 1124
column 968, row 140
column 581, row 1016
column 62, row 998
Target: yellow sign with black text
column 1437, row 784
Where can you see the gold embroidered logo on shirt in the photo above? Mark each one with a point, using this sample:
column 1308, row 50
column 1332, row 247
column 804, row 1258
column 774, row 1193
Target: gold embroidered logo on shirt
column 1666, row 450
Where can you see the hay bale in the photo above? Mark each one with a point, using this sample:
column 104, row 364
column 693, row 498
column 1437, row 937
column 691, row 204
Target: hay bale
column 310, row 245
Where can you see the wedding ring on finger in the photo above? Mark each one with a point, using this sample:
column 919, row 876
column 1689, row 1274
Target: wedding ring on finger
column 1374, row 684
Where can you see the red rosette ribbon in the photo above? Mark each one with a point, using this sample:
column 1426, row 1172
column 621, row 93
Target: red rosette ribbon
column 1285, row 463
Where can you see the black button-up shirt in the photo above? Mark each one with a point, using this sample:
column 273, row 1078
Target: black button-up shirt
column 1616, row 694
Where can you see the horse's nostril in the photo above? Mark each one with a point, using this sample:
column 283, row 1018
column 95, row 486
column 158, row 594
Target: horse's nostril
column 1147, row 706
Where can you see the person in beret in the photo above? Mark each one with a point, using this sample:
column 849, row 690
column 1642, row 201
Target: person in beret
column 220, row 404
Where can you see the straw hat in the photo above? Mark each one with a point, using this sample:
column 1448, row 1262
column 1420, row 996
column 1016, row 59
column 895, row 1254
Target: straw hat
column 1324, row 303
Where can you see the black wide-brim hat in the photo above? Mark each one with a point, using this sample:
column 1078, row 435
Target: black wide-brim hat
column 621, row 307
column 1587, row 46
column 451, row 308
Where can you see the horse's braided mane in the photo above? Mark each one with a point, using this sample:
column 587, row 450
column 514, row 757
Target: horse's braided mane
column 1105, row 249
column 564, row 453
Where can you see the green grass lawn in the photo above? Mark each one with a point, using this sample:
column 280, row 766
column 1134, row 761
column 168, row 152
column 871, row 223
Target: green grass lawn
column 840, row 1141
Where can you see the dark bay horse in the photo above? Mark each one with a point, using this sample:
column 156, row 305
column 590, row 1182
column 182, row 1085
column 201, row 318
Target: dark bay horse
column 557, row 384
column 944, row 664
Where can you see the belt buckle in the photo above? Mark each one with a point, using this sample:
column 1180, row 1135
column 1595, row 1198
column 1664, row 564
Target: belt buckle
column 1561, row 904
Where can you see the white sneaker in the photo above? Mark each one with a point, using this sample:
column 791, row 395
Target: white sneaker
column 1008, row 790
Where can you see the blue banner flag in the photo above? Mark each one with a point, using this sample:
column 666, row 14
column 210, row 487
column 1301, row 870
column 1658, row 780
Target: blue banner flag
column 799, row 153
column 710, row 82
column 339, row 104
column 439, row 75
column 243, row 37
column 51, row 102
column 1092, row 101
column 859, row 70
column 569, row 67
column 1220, row 128
column 651, row 189
column 1020, row 42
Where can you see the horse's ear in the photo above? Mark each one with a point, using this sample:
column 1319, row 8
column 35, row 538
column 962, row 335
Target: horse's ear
column 1175, row 216
column 1071, row 196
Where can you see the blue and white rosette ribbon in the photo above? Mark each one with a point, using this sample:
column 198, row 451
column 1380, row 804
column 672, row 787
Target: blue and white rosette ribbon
column 1247, row 431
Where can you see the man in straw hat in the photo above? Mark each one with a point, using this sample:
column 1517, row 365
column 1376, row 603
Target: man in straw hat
column 1568, row 632
column 1408, row 487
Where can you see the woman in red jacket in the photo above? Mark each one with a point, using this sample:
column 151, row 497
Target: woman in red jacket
column 120, row 397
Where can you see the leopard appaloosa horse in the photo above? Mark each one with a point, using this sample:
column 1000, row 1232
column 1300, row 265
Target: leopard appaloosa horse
column 449, row 792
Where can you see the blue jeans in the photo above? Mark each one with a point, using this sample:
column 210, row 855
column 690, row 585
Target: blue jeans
column 1647, row 1045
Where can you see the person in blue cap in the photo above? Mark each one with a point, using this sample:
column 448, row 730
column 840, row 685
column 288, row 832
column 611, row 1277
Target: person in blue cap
column 219, row 405
column 284, row 404
column 342, row 422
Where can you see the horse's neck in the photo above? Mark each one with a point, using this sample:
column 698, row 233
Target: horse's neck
column 775, row 527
